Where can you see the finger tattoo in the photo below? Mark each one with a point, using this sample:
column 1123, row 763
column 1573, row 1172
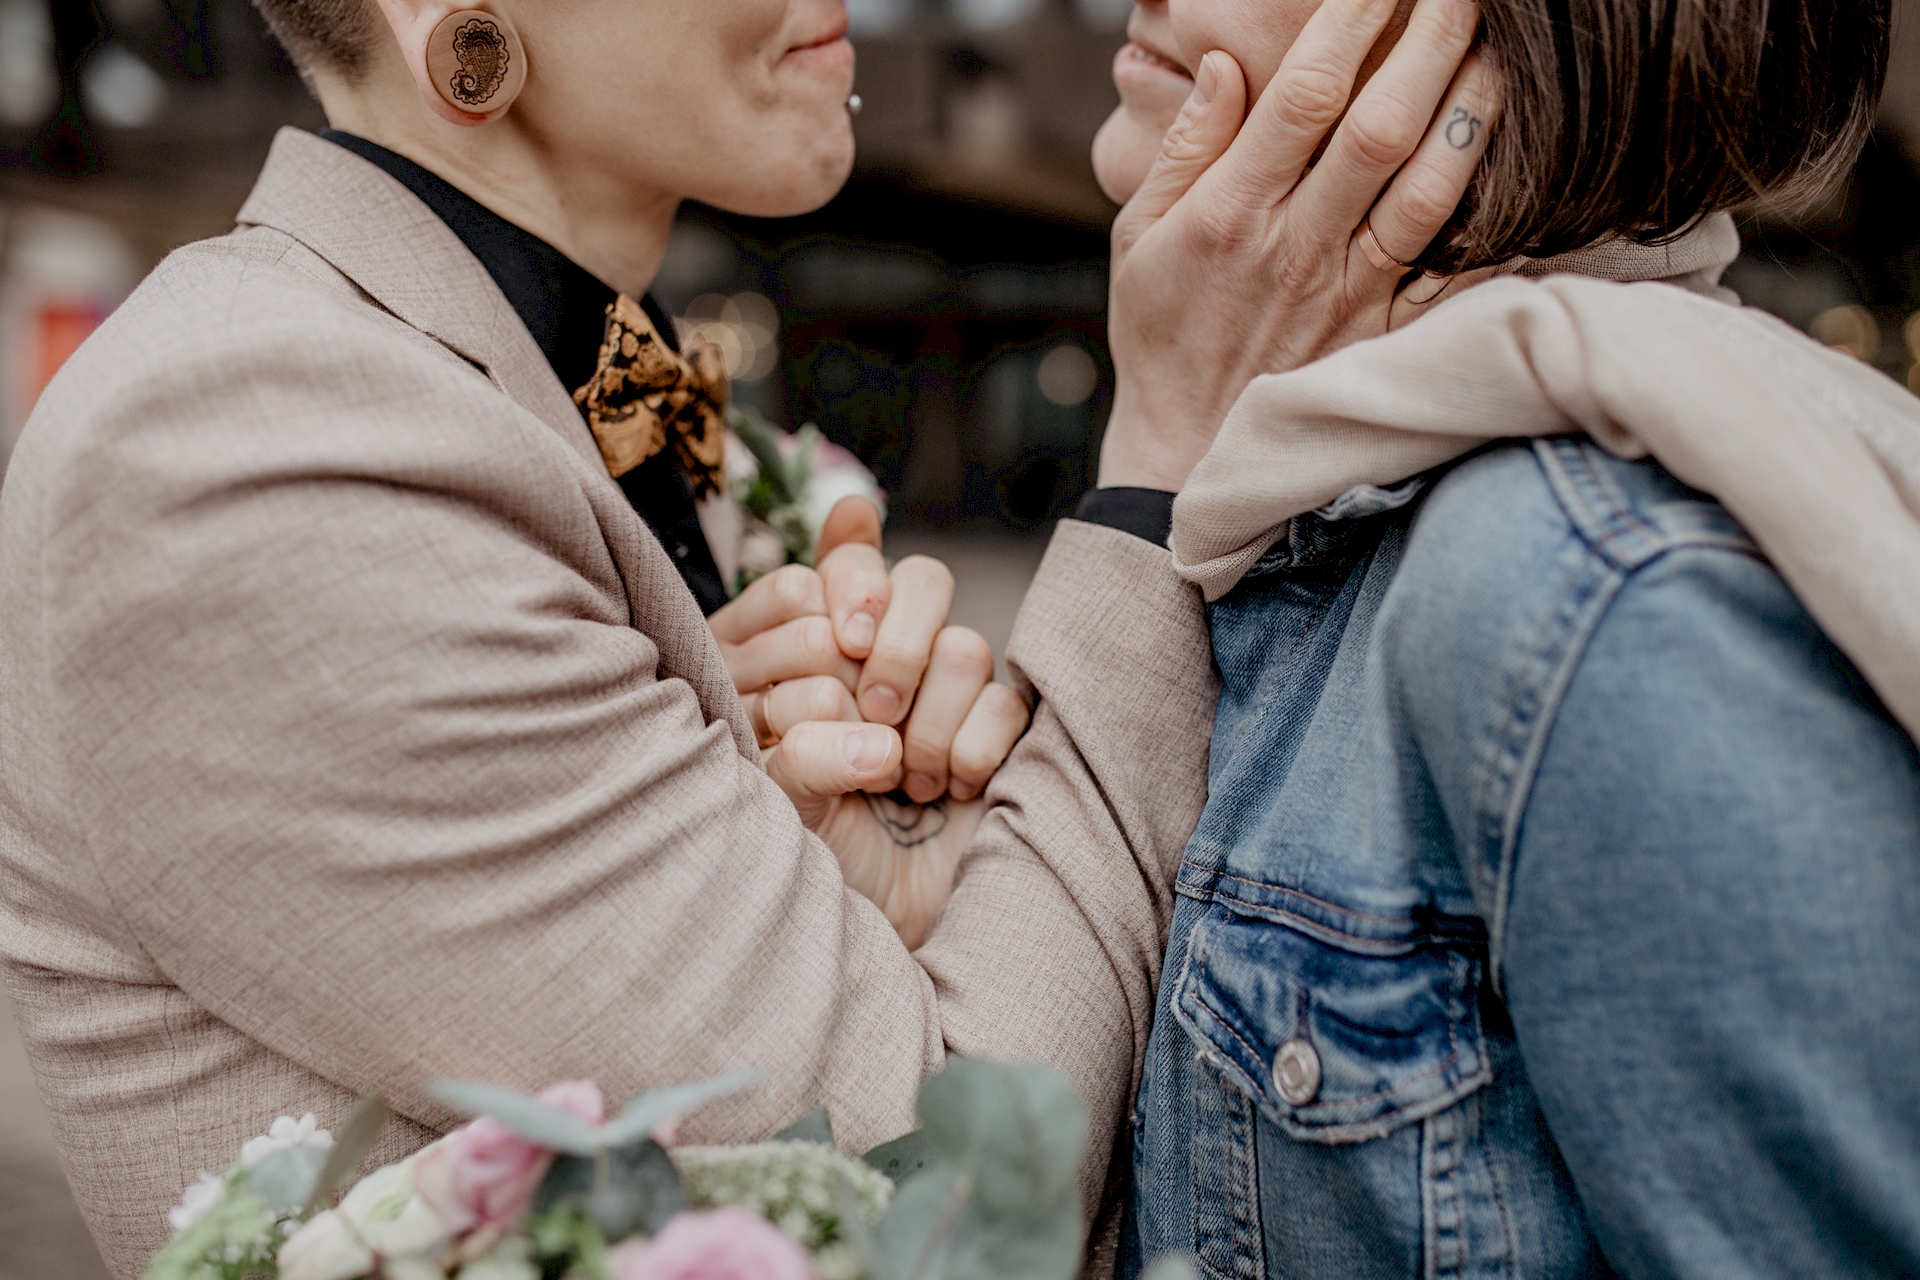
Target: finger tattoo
column 907, row 824
column 1462, row 129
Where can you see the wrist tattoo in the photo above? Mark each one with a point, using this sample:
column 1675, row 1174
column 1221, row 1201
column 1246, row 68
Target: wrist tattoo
column 1462, row 128
column 907, row 824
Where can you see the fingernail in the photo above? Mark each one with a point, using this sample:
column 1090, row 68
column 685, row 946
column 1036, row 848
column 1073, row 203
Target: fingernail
column 1207, row 83
column 868, row 749
column 923, row 786
column 880, row 704
column 860, row 630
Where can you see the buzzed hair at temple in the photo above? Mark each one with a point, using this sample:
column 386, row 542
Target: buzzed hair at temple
column 337, row 33
column 1638, row 118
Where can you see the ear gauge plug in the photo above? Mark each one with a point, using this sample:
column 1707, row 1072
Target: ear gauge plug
column 476, row 61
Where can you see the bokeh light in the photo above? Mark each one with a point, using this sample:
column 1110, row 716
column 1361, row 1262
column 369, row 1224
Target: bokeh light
column 1067, row 375
column 1849, row 328
column 745, row 327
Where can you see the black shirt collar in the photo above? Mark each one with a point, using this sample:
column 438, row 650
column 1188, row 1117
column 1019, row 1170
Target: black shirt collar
column 563, row 305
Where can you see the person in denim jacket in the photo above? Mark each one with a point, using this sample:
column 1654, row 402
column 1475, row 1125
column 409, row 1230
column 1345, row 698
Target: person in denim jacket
column 1551, row 913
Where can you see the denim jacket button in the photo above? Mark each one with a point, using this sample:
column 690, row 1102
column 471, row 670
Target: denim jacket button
column 1296, row 1072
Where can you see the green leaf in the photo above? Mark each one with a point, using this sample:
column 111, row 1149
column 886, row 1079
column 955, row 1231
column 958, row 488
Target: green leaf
column 650, row 1110
column 1171, row 1266
column 941, row 1228
column 905, row 1155
column 530, row 1118
column 911, row 1241
column 815, row 1126
column 351, row 1143
column 286, row 1179
column 1020, row 1130
column 640, row 1192
column 762, row 439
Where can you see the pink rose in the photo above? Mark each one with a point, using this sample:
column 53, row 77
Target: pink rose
column 728, row 1243
column 484, row 1174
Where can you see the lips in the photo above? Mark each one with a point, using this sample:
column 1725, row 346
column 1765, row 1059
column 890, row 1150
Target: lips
column 833, row 36
column 1139, row 51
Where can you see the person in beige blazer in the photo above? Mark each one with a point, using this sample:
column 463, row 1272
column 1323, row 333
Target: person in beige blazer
column 357, row 730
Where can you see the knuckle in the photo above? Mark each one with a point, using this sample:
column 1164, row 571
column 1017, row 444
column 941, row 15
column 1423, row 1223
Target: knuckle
column 1312, row 96
column 1221, row 227
column 792, row 585
column 965, row 650
column 1383, row 134
column 974, row 760
column 1425, row 200
column 925, row 571
column 817, row 644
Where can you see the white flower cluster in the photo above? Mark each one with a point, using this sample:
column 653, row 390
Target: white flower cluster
column 285, row 1134
column 790, row 1184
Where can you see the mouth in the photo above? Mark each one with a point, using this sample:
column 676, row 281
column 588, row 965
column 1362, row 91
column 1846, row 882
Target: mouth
column 833, row 36
column 1139, row 50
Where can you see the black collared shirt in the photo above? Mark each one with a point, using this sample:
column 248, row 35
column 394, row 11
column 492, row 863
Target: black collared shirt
column 564, row 307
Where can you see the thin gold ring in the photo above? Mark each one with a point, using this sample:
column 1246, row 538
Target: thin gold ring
column 1376, row 252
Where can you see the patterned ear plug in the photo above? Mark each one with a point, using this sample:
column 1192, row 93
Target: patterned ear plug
column 476, row 62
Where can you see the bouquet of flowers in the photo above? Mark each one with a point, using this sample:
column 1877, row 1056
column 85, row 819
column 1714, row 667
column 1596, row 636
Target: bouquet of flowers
column 785, row 487
column 551, row 1188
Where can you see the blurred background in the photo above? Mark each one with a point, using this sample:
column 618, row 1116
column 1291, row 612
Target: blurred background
column 943, row 318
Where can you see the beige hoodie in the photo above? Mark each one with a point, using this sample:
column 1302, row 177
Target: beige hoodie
column 1816, row 454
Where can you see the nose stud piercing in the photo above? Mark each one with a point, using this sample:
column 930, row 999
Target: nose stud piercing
column 854, row 104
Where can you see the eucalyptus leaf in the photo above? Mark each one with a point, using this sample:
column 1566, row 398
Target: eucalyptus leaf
column 911, row 1241
column 1171, row 1266
column 650, row 1110
column 984, row 1245
column 940, row 1228
column 286, row 1179
column 642, row 1190
column 351, row 1143
column 529, row 1117
column 1020, row 1130
column 815, row 1126
column 905, row 1155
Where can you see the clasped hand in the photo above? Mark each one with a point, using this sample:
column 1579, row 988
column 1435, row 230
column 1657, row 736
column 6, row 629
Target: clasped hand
column 860, row 691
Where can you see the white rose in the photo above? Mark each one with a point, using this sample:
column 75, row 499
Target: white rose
column 830, row 483
column 286, row 1134
column 196, row 1200
column 761, row 551
column 391, row 1217
column 324, row 1248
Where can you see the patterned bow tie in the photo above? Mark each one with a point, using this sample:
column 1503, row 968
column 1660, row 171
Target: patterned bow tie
column 643, row 394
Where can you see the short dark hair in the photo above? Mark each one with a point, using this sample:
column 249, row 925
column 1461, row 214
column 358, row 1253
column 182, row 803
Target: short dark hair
column 1638, row 118
column 337, row 33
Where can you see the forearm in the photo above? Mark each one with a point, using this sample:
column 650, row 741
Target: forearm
column 1051, row 946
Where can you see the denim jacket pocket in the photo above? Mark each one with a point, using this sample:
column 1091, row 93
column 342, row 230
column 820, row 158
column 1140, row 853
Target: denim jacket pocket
column 1372, row 1042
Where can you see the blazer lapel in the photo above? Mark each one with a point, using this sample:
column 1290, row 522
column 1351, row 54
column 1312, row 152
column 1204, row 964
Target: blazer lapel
column 379, row 235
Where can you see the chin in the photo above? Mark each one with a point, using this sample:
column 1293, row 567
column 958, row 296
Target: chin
column 791, row 180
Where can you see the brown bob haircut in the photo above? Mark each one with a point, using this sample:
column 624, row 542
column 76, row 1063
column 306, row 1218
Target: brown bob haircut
column 1638, row 118
column 1632, row 118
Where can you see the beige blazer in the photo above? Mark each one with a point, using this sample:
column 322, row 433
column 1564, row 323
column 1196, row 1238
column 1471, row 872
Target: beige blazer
column 355, row 732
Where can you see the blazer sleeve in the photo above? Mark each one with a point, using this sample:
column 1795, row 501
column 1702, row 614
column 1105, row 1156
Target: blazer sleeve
column 376, row 763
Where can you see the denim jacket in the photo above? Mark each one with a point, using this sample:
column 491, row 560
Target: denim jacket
column 1542, row 823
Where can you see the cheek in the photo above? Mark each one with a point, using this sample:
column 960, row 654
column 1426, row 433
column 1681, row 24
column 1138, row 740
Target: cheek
column 1257, row 33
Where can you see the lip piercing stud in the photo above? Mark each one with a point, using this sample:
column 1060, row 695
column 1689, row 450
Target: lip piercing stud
column 854, row 104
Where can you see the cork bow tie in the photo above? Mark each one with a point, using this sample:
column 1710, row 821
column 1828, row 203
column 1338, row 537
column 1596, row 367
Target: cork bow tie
column 644, row 394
